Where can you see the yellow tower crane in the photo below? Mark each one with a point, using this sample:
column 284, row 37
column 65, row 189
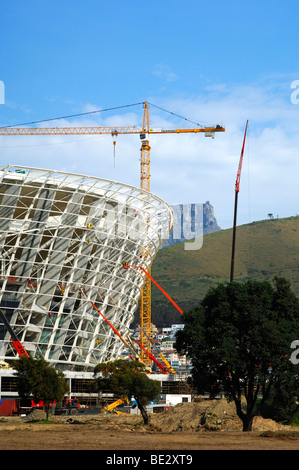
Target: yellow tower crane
column 144, row 132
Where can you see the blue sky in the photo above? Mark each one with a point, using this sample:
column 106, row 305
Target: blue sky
column 212, row 62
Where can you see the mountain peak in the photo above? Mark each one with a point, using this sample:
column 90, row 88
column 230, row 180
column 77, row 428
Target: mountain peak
column 191, row 221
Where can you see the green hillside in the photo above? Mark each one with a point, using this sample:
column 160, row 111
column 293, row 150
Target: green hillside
column 263, row 249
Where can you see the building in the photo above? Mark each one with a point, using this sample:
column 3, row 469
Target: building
column 172, row 330
column 63, row 240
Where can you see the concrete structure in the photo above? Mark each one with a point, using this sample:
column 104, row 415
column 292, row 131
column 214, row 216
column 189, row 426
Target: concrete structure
column 63, row 238
column 173, row 392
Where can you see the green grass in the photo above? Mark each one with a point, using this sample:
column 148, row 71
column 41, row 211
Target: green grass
column 264, row 249
column 41, row 421
column 295, row 421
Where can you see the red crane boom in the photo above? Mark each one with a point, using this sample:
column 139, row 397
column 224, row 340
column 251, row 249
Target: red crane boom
column 237, row 189
column 127, row 266
column 14, row 340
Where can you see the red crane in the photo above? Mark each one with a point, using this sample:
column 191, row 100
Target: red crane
column 14, row 340
column 161, row 366
column 164, row 369
column 127, row 266
column 129, row 346
column 237, row 189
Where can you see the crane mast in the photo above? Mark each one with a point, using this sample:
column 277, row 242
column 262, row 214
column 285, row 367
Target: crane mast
column 145, row 300
column 237, row 189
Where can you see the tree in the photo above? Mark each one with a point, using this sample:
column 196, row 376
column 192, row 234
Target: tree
column 281, row 404
column 38, row 379
column 239, row 341
column 128, row 379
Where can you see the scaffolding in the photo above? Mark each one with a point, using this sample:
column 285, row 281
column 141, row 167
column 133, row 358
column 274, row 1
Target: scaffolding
column 62, row 234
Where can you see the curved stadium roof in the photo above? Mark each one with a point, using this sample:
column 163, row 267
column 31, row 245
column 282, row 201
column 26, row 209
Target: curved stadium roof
column 63, row 238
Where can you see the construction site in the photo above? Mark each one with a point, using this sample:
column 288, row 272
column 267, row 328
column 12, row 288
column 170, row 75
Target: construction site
column 76, row 256
column 186, row 427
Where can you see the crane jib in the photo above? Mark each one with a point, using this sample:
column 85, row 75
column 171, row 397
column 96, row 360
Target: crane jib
column 8, row 131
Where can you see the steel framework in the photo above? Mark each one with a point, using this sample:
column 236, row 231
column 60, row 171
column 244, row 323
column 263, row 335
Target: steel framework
column 63, row 239
column 145, row 131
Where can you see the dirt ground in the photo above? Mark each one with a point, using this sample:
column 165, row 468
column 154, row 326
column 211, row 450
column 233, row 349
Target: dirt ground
column 211, row 425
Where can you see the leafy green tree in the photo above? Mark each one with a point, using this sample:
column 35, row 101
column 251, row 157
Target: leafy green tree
column 38, row 379
column 128, row 379
column 239, row 341
column 281, row 404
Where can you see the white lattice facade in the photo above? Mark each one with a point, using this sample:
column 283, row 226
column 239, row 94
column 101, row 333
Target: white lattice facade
column 63, row 238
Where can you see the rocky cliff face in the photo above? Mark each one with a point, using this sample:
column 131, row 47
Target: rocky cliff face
column 191, row 221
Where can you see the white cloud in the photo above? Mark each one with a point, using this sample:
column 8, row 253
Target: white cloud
column 189, row 167
column 165, row 73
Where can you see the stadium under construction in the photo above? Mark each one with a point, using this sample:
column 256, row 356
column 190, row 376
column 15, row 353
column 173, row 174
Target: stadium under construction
column 64, row 239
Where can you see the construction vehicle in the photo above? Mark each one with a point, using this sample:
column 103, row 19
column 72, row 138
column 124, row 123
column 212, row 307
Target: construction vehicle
column 69, row 406
column 162, row 357
column 237, row 189
column 129, row 344
column 14, row 340
column 163, row 368
column 111, row 408
column 4, row 365
column 127, row 266
column 144, row 132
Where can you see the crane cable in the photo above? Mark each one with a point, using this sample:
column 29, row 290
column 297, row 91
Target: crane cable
column 102, row 111
column 71, row 115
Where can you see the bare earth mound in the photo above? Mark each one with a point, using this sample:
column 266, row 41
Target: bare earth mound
column 210, row 415
column 209, row 425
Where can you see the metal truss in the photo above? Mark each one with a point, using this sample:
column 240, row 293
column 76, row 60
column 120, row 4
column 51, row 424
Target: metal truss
column 63, row 234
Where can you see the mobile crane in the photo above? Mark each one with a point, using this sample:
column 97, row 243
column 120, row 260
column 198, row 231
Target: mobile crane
column 144, row 132
column 161, row 356
column 129, row 344
column 164, row 368
column 111, row 408
column 14, row 340
column 127, row 266
column 237, row 189
column 159, row 364
column 126, row 343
